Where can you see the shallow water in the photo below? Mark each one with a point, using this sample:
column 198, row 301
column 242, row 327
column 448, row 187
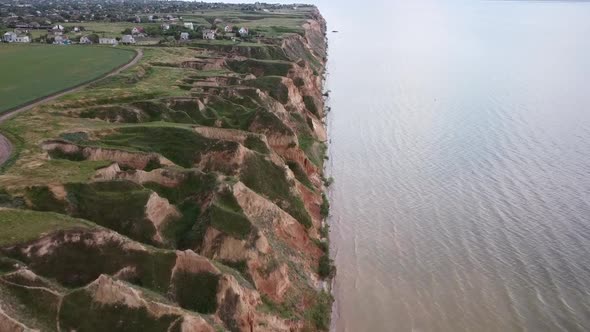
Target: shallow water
column 460, row 148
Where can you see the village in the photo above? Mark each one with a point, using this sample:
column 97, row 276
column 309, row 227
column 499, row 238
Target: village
column 137, row 22
column 170, row 28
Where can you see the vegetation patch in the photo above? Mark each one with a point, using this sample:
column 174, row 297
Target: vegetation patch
column 18, row 226
column 300, row 174
column 37, row 308
column 310, row 105
column 80, row 313
column 196, row 292
column 273, row 85
column 268, row 179
column 227, row 216
column 256, row 144
column 181, row 146
column 325, row 207
column 318, row 315
column 261, row 67
column 43, row 199
column 118, row 205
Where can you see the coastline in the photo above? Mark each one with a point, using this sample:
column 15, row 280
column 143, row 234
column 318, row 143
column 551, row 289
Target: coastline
column 218, row 170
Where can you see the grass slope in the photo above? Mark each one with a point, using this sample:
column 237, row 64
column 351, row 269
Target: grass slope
column 18, row 226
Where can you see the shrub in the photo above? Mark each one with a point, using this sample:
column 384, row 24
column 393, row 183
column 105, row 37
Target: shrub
column 325, row 207
column 325, row 266
column 319, row 313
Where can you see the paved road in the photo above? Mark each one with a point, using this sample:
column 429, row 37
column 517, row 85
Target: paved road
column 6, row 147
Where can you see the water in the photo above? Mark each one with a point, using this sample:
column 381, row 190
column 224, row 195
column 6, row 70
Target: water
column 460, row 148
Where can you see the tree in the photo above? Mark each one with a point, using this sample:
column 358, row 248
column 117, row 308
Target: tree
column 94, row 38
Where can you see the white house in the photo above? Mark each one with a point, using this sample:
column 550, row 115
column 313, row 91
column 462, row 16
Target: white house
column 228, row 28
column 11, row 37
column 85, row 40
column 184, row 36
column 165, row 26
column 23, row 39
column 76, row 29
column 243, row 31
column 108, row 41
column 61, row 40
column 189, row 25
column 209, row 34
column 128, row 39
column 58, row 28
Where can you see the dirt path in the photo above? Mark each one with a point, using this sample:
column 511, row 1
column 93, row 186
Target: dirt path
column 6, row 147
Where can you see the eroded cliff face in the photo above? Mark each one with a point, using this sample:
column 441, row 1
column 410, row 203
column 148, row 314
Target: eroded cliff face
column 207, row 210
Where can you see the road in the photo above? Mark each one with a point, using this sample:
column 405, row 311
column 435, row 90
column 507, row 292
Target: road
column 6, row 147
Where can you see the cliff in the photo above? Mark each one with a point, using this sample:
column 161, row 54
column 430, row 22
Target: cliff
column 185, row 194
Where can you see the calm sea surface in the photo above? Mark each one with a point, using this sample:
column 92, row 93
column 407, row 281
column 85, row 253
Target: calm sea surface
column 460, row 148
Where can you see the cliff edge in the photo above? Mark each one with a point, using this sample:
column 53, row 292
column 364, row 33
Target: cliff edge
column 183, row 194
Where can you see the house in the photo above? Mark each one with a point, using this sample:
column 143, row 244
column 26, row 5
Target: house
column 9, row 37
column 137, row 30
column 228, row 28
column 184, row 36
column 85, row 40
column 243, row 32
column 209, row 34
column 23, row 39
column 76, row 29
column 108, row 41
column 165, row 26
column 58, row 27
column 128, row 39
column 61, row 40
column 189, row 25
column 12, row 37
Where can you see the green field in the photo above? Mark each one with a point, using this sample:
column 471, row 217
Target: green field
column 28, row 72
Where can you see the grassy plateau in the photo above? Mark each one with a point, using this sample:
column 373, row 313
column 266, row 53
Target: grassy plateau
column 34, row 71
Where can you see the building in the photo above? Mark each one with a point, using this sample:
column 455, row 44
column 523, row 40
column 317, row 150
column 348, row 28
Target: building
column 128, row 39
column 61, row 40
column 108, row 41
column 76, row 29
column 85, row 40
column 9, row 37
column 58, row 27
column 228, row 28
column 184, row 36
column 243, row 32
column 209, row 34
column 12, row 37
column 165, row 26
column 23, row 39
column 189, row 25
column 137, row 30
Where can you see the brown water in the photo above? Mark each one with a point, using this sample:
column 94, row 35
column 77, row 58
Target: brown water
column 460, row 148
